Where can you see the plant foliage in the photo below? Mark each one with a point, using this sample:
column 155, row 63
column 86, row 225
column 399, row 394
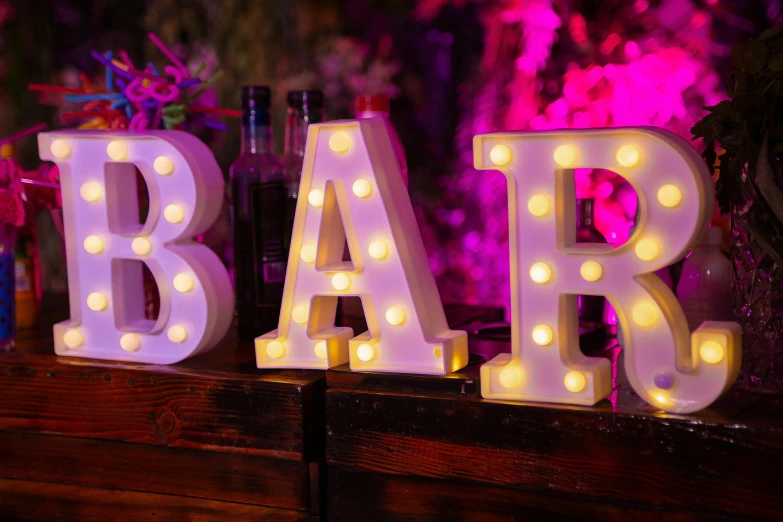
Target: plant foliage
column 746, row 134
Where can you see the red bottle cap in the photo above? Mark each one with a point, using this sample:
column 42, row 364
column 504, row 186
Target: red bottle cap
column 372, row 103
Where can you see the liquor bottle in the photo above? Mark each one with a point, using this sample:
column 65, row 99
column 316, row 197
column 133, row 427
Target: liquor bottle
column 591, row 307
column 258, row 196
column 704, row 289
column 304, row 108
column 379, row 106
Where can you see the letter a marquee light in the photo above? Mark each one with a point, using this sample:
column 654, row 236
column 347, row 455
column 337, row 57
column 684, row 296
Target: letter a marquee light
column 353, row 192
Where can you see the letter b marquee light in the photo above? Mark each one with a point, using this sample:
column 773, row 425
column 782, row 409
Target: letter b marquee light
column 106, row 245
column 667, row 365
column 352, row 191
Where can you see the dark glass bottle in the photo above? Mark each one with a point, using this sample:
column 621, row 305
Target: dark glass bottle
column 258, row 196
column 591, row 307
column 304, row 108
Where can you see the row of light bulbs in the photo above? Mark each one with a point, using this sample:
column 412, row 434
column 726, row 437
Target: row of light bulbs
column 93, row 192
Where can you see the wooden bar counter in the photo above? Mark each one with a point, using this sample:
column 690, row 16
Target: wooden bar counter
column 421, row 448
column 214, row 438
column 209, row 438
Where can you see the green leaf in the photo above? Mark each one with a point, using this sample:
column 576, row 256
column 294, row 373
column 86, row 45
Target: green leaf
column 767, row 188
column 750, row 57
column 776, row 62
column 770, row 33
column 762, row 241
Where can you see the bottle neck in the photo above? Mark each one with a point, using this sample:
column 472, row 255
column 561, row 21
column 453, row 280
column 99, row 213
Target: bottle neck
column 296, row 127
column 371, row 114
column 584, row 213
column 256, row 131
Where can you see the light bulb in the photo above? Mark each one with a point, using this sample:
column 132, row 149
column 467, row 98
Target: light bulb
column 307, row 253
column 540, row 273
column 320, row 349
column 510, row 377
column 645, row 314
column 177, row 334
column 539, row 205
column 628, row 156
column 362, row 188
column 437, row 352
column 300, row 314
column 339, row 142
column 117, row 151
column 73, row 338
column 575, row 382
column 647, row 249
column 93, row 244
column 97, row 302
column 316, row 198
column 365, row 352
column 141, row 246
column 91, row 191
column 565, row 155
column 543, row 335
column 591, row 271
column 378, row 250
column 174, row 214
column 183, row 283
column 669, row 196
column 711, row 352
column 395, row 316
column 60, row 149
column 341, row 281
column 163, row 166
column 500, row 155
column 275, row 349
column 130, row 342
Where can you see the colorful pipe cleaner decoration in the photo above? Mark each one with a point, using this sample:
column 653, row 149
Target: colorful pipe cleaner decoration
column 138, row 99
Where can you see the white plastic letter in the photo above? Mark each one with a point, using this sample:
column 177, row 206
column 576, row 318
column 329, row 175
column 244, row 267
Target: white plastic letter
column 667, row 365
column 105, row 245
column 352, row 190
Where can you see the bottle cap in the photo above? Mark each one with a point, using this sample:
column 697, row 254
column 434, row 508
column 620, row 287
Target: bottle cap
column 255, row 96
column 297, row 99
column 372, row 103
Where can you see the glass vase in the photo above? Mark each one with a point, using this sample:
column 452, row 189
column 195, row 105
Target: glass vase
column 757, row 284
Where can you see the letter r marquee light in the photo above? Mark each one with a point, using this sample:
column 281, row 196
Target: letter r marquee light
column 667, row 365
column 105, row 245
column 353, row 192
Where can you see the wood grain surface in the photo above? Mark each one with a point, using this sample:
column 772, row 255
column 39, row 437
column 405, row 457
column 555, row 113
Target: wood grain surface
column 725, row 461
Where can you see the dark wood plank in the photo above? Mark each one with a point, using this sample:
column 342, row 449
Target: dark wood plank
column 41, row 501
column 211, row 402
column 725, row 460
column 378, row 497
column 155, row 469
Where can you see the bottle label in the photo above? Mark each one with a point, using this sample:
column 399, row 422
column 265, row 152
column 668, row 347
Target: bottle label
column 268, row 222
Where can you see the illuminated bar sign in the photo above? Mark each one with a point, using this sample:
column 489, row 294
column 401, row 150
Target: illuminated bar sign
column 354, row 194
